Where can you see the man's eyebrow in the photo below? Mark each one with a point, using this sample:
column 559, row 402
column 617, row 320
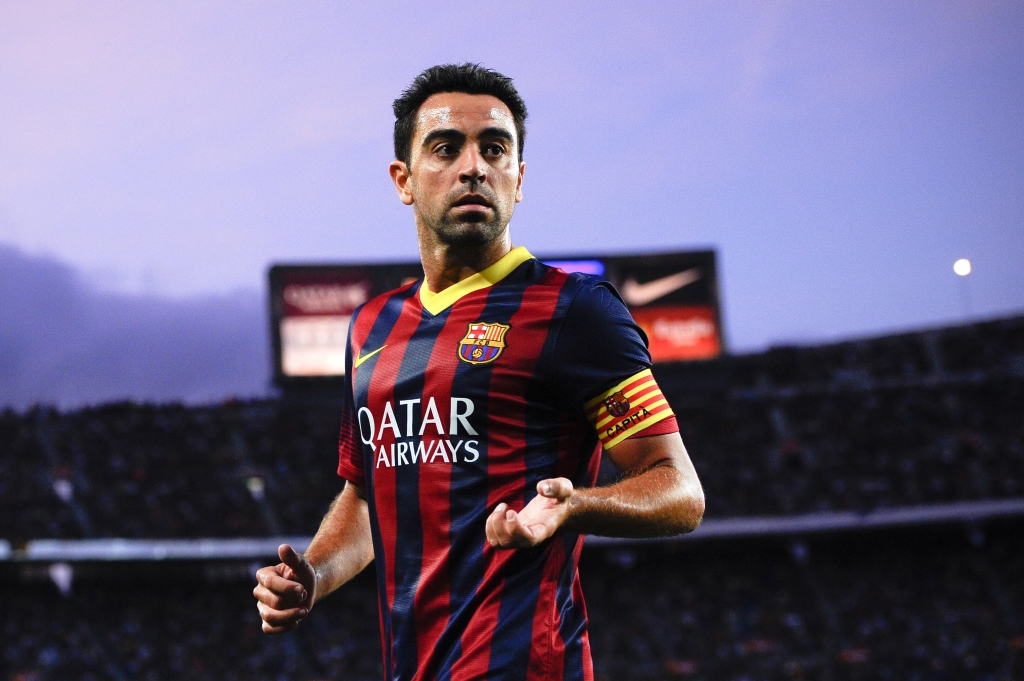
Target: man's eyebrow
column 497, row 132
column 443, row 134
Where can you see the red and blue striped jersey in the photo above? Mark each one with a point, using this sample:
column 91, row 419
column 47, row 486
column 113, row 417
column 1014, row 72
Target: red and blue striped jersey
column 458, row 401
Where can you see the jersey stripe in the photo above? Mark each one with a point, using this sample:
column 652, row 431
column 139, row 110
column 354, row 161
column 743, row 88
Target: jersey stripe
column 577, row 458
column 572, row 638
column 545, row 618
column 577, row 664
column 469, row 499
column 412, row 535
column 433, row 607
column 512, row 635
column 402, row 541
column 373, row 321
column 373, row 324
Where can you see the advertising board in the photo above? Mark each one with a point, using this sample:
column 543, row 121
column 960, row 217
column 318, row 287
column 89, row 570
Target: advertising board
column 672, row 296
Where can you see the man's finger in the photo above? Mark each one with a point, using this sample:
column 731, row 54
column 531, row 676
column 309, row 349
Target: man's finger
column 270, row 570
column 277, row 618
column 289, row 599
column 266, row 596
column 555, row 488
column 279, row 585
column 502, row 531
column 493, row 523
column 267, row 629
column 490, row 529
column 519, row 534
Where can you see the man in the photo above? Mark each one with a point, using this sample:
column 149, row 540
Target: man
column 477, row 404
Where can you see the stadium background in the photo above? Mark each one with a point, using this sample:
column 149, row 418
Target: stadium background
column 861, row 444
column 864, row 521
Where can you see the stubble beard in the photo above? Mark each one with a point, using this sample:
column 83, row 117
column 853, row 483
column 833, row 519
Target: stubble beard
column 473, row 230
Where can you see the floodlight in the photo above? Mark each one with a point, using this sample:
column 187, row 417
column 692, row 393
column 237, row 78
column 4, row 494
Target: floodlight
column 962, row 267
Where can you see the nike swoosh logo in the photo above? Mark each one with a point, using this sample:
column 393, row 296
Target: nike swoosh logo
column 640, row 294
column 363, row 358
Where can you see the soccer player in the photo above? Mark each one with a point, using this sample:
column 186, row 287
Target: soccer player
column 477, row 404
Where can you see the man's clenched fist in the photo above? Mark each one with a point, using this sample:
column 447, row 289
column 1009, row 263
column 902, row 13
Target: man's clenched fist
column 285, row 592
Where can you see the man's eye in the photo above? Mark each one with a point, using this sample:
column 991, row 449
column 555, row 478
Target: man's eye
column 494, row 149
column 446, row 150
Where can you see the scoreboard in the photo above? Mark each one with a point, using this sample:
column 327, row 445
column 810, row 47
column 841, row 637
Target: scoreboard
column 672, row 296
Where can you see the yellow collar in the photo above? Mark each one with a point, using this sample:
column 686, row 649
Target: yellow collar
column 435, row 303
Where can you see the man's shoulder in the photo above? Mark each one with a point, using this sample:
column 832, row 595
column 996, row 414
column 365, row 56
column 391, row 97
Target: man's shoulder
column 378, row 301
column 593, row 294
column 583, row 299
column 595, row 307
column 572, row 284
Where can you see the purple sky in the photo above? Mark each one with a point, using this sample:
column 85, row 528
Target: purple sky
column 840, row 156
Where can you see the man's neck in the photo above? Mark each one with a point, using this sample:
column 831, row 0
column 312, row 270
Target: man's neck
column 445, row 265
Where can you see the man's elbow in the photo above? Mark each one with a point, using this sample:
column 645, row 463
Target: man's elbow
column 690, row 510
column 696, row 513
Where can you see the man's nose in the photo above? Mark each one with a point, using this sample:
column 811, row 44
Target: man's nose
column 472, row 168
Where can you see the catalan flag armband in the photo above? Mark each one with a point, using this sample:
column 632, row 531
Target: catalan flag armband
column 627, row 409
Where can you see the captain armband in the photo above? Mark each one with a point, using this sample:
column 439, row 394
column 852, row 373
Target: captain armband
column 627, row 409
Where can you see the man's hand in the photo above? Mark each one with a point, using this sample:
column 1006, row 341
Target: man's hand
column 286, row 591
column 545, row 513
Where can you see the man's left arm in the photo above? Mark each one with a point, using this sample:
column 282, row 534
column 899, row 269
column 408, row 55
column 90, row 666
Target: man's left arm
column 659, row 496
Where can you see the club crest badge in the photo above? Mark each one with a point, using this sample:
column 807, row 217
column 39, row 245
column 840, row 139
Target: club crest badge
column 617, row 404
column 484, row 342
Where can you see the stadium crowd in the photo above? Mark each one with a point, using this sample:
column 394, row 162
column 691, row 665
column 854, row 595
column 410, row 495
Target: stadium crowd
column 890, row 606
column 879, row 606
column 859, row 450
column 915, row 419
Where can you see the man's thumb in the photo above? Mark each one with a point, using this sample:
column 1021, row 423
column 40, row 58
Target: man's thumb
column 290, row 556
column 555, row 488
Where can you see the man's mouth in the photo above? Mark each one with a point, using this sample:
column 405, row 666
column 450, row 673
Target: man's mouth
column 472, row 201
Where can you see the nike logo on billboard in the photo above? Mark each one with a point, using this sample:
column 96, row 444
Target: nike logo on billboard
column 362, row 358
column 638, row 295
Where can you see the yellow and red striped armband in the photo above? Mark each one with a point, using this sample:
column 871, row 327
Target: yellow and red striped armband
column 627, row 409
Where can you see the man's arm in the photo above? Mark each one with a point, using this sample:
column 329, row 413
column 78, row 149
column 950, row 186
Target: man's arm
column 659, row 496
column 340, row 550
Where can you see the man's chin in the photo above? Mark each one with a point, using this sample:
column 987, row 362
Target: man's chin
column 468, row 233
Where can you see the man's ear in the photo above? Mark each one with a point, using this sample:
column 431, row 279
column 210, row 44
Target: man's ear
column 402, row 178
column 519, row 182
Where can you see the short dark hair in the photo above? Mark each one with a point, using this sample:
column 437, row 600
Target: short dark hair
column 472, row 79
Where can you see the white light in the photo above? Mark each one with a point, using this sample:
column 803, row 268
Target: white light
column 63, row 489
column 256, row 487
column 962, row 267
column 62, row 574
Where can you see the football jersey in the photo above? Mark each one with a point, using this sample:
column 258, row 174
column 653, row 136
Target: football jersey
column 458, row 401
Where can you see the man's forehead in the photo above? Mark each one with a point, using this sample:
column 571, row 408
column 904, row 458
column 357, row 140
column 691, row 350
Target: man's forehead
column 458, row 109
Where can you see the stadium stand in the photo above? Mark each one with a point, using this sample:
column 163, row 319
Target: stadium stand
column 923, row 418
column 890, row 606
column 939, row 605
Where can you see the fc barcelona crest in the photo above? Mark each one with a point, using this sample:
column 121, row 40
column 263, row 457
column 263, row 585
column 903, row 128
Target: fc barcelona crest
column 617, row 404
column 484, row 342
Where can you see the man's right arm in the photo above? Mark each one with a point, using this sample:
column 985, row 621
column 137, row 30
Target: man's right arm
column 340, row 550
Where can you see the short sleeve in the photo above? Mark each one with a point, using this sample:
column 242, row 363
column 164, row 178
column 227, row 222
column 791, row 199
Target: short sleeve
column 350, row 446
column 602, row 362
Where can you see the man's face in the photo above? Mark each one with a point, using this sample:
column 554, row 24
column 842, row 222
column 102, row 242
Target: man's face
column 464, row 175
